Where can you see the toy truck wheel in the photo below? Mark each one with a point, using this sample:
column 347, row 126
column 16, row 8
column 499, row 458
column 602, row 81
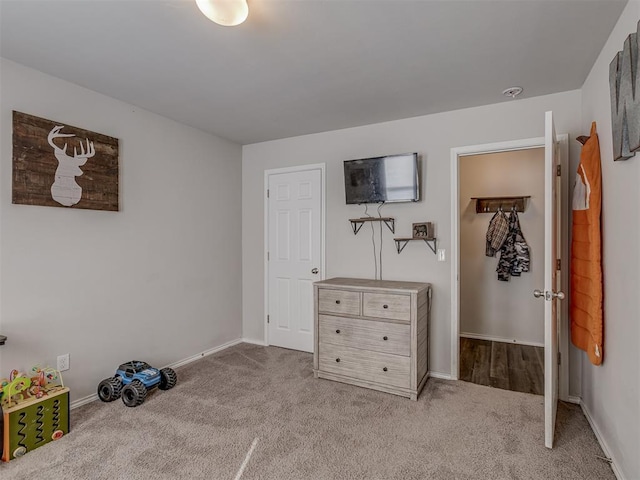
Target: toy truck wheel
column 168, row 379
column 134, row 394
column 109, row 389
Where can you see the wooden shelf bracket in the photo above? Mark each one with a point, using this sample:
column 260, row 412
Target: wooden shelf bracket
column 402, row 242
column 357, row 223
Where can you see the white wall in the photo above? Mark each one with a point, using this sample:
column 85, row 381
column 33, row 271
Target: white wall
column 158, row 281
column 347, row 255
column 504, row 310
column 611, row 392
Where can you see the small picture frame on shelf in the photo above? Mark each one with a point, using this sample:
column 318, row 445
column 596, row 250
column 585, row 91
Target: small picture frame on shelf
column 422, row 230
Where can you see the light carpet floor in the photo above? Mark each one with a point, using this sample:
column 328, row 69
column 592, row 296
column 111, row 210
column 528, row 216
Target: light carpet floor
column 299, row 427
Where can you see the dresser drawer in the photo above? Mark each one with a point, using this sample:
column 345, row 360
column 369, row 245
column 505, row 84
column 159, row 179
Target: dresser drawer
column 387, row 305
column 382, row 337
column 367, row 365
column 338, row 301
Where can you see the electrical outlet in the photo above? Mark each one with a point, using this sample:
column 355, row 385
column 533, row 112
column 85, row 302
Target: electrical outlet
column 63, row 362
column 441, row 256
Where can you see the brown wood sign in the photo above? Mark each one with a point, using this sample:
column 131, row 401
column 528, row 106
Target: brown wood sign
column 57, row 165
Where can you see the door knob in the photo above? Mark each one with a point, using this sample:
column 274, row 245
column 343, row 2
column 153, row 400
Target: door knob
column 549, row 295
column 314, row 271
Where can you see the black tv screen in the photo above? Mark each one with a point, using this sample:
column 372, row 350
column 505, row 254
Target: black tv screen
column 393, row 178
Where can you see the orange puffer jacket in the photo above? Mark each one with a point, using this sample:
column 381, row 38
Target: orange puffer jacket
column 587, row 328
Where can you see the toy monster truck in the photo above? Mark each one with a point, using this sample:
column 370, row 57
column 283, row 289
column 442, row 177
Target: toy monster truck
column 132, row 381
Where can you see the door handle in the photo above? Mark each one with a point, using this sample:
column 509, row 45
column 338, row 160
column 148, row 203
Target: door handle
column 549, row 295
column 314, row 271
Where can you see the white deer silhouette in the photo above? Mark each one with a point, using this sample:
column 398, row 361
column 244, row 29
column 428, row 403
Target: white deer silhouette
column 65, row 190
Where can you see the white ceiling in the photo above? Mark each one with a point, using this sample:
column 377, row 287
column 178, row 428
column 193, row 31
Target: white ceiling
column 306, row 66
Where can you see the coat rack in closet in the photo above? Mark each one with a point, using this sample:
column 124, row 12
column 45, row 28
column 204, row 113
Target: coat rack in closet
column 493, row 204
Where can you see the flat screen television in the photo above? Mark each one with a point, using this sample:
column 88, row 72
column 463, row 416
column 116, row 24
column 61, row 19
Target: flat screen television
column 393, row 178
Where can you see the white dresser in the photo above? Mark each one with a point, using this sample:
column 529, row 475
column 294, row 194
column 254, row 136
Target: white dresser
column 373, row 333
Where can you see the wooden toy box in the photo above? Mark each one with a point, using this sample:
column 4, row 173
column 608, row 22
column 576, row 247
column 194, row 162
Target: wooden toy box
column 33, row 423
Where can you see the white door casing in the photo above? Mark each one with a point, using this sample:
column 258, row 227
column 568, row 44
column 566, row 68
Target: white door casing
column 553, row 216
column 294, row 231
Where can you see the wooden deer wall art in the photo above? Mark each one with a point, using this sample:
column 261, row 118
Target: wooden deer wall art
column 58, row 165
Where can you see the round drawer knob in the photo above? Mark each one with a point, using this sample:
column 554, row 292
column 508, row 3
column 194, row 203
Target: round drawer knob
column 337, row 331
column 338, row 360
column 385, row 338
column 385, row 306
column 384, row 369
column 337, row 302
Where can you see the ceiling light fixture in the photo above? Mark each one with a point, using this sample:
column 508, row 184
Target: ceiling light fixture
column 512, row 92
column 224, row 12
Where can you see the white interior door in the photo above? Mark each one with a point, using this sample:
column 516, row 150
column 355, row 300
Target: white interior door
column 552, row 284
column 294, row 256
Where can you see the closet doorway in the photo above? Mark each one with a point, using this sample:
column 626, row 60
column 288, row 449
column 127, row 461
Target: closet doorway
column 501, row 323
column 554, row 255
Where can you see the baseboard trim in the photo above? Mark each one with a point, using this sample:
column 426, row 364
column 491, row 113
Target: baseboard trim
column 603, row 444
column 442, row 376
column 491, row 338
column 253, row 341
column 92, row 398
column 206, row 353
column 83, row 401
column 573, row 399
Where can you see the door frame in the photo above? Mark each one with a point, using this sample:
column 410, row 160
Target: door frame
column 323, row 229
column 509, row 146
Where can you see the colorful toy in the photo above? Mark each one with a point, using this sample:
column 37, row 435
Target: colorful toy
column 34, row 422
column 34, row 410
column 132, row 381
column 20, row 387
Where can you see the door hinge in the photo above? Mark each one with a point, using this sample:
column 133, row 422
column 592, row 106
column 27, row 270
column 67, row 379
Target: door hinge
column 558, row 170
column 267, row 193
column 558, row 264
column 559, row 358
column 268, row 256
column 267, row 318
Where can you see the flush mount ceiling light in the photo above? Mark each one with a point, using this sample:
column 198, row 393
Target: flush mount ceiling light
column 224, row 12
column 512, row 92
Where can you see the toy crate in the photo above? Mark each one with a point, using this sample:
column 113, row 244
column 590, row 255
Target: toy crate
column 33, row 423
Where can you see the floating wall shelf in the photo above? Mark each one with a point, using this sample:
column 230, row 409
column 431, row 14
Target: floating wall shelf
column 402, row 242
column 493, row 204
column 357, row 223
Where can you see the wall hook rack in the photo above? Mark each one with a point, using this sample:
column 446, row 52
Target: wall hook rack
column 493, row 204
column 357, row 223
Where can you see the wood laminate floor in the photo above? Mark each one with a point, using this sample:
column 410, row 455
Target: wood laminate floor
column 509, row 366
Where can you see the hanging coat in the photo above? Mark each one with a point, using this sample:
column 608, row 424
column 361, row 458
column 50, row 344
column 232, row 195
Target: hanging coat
column 587, row 329
column 514, row 254
column 496, row 233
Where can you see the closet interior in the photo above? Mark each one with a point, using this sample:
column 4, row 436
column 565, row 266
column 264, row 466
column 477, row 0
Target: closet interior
column 501, row 229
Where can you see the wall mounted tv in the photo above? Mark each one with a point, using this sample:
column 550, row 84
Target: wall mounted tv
column 393, row 178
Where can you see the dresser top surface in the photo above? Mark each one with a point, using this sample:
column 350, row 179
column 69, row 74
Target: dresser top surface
column 345, row 283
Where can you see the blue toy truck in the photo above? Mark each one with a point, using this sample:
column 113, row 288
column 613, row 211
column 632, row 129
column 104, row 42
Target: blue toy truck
column 132, row 381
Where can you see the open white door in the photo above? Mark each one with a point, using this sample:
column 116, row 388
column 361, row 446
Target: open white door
column 551, row 294
column 294, row 255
